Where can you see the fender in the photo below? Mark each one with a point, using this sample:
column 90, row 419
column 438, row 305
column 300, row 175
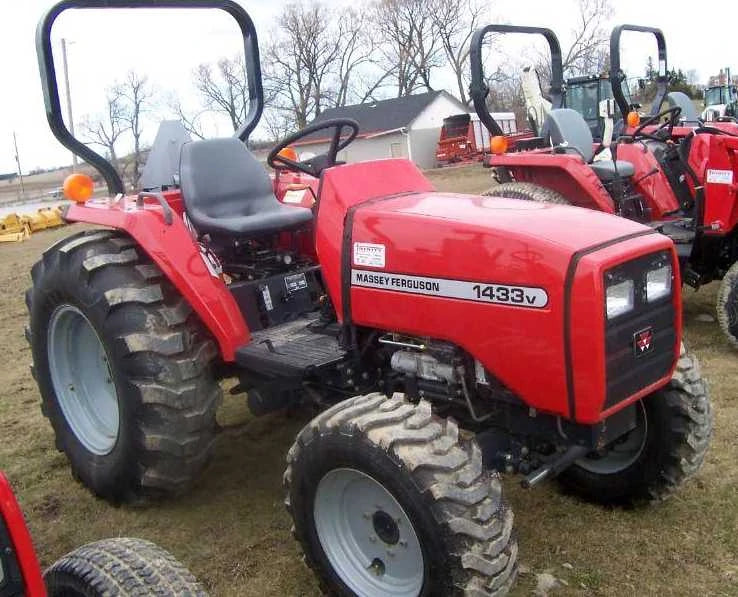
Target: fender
column 21, row 545
column 171, row 247
column 565, row 173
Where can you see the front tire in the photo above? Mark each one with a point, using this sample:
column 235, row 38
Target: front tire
column 123, row 366
column 120, row 566
column 675, row 424
column 389, row 499
column 727, row 305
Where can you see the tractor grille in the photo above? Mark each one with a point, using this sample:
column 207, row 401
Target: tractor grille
column 627, row 370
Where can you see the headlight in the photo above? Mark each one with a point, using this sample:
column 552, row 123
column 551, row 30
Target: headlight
column 619, row 298
column 658, row 283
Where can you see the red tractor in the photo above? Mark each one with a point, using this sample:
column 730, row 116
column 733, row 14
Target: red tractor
column 119, row 566
column 410, row 318
column 671, row 172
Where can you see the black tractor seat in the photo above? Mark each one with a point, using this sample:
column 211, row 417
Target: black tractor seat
column 569, row 129
column 228, row 193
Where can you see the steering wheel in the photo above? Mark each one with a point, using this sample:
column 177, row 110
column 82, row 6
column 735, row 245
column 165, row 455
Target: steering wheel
column 673, row 114
column 315, row 165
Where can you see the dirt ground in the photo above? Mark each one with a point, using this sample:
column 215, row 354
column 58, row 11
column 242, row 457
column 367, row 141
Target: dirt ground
column 233, row 532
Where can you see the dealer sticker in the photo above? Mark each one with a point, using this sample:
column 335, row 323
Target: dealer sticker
column 369, row 254
column 720, row 176
column 293, row 196
column 481, row 292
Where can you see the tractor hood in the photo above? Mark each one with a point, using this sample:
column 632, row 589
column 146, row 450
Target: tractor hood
column 511, row 282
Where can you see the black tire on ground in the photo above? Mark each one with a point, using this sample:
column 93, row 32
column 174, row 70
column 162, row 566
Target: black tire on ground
column 727, row 305
column 159, row 357
column 120, row 566
column 679, row 429
column 527, row 191
column 433, row 471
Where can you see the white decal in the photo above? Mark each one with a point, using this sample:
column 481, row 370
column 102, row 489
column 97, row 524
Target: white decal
column 293, row 196
column 369, row 254
column 481, row 292
column 662, row 68
column 267, row 298
column 211, row 261
column 720, row 176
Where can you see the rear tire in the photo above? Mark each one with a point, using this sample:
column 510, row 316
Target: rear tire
column 453, row 532
column 527, row 191
column 727, row 305
column 120, row 567
column 678, row 429
column 143, row 423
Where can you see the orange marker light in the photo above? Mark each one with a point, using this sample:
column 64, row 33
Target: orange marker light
column 78, row 187
column 633, row 119
column 498, row 144
column 289, row 153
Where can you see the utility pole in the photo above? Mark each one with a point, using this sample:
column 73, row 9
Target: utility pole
column 20, row 172
column 69, row 98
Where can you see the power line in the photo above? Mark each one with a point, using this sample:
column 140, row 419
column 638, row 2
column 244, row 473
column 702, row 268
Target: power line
column 17, row 161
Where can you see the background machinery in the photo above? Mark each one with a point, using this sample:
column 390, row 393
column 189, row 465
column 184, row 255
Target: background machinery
column 669, row 171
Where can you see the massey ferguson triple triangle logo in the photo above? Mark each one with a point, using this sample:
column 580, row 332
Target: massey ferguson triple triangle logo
column 643, row 342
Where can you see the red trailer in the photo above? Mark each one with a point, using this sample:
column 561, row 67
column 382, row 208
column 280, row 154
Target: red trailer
column 464, row 139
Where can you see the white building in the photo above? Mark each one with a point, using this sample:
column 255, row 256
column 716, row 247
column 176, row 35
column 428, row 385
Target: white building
column 406, row 127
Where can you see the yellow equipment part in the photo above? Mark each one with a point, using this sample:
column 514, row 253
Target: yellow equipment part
column 16, row 232
column 46, row 217
column 12, row 224
column 14, row 237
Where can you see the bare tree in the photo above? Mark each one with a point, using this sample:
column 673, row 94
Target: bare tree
column 190, row 121
column 225, row 88
column 137, row 93
column 454, row 22
column 317, row 58
column 408, row 43
column 589, row 51
column 356, row 76
column 106, row 129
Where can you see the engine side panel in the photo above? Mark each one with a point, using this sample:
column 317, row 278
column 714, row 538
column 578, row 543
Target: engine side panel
column 714, row 159
column 486, row 274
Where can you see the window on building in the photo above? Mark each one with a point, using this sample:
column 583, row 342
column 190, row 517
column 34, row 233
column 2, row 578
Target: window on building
column 396, row 150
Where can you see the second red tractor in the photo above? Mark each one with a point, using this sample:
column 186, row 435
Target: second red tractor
column 670, row 171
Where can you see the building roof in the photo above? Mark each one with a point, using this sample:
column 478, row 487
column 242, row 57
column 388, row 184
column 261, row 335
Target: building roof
column 380, row 116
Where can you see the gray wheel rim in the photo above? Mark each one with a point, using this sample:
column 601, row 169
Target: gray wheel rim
column 82, row 379
column 369, row 540
column 623, row 452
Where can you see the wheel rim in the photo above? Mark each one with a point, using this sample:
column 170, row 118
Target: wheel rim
column 82, row 380
column 623, row 452
column 369, row 540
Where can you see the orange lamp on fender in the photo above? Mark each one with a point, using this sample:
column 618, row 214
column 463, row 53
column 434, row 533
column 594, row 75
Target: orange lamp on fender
column 78, row 187
column 633, row 119
column 498, row 144
column 289, row 153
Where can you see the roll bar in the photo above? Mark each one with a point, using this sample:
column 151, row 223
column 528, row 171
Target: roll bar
column 480, row 89
column 47, row 70
column 617, row 76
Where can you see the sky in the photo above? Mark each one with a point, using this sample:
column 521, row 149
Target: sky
column 167, row 45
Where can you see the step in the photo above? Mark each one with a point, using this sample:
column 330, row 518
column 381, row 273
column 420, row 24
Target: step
column 679, row 231
column 290, row 349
